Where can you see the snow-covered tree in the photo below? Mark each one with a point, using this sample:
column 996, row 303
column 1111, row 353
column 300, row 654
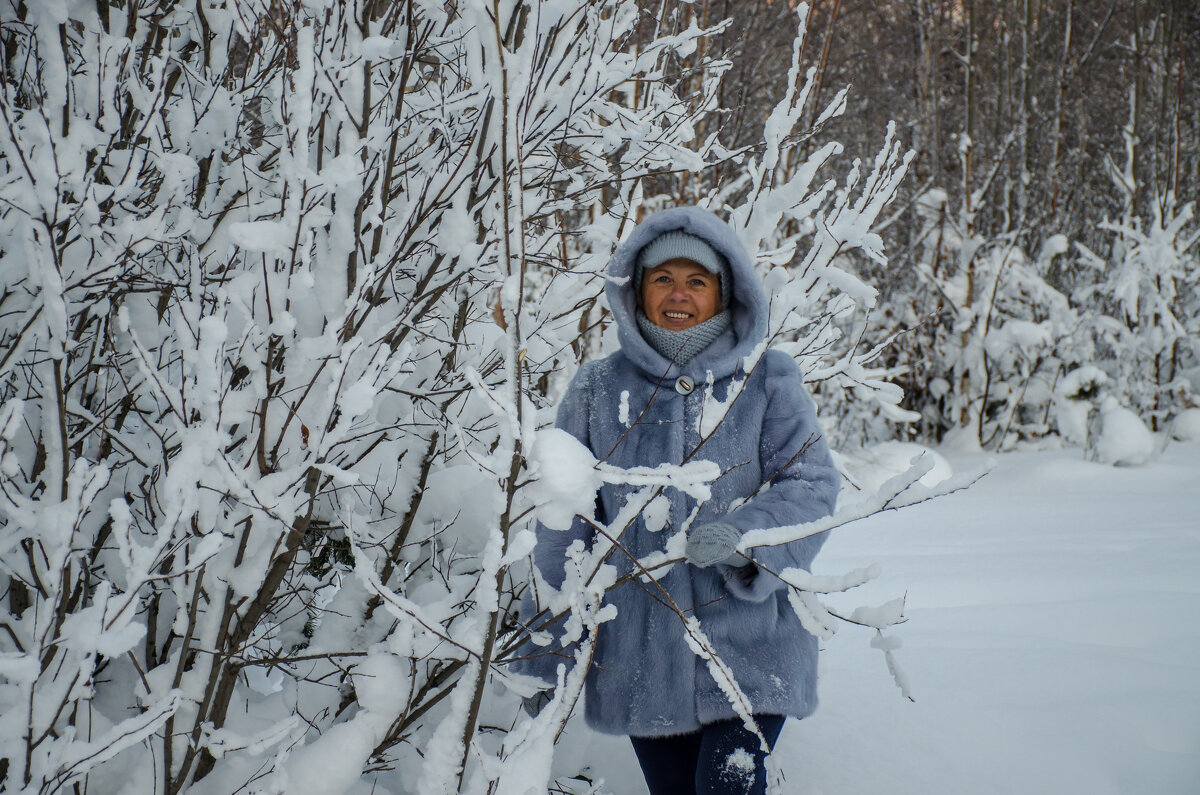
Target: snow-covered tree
column 1147, row 300
column 288, row 291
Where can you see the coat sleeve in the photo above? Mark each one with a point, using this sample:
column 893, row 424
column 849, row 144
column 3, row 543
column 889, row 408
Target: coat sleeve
column 550, row 552
column 803, row 481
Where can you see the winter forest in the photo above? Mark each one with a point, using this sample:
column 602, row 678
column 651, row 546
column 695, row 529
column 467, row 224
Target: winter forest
column 290, row 289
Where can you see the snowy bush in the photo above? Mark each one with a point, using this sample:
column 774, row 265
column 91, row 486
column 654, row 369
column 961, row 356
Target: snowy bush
column 980, row 335
column 288, row 292
column 1149, row 301
column 983, row 339
column 1076, row 399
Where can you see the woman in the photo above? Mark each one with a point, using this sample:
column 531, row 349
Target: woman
column 689, row 311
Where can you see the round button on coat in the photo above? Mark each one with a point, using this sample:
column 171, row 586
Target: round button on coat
column 684, row 385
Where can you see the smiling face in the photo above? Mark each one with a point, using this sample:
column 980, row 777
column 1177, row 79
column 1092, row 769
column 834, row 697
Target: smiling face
column 679, row 294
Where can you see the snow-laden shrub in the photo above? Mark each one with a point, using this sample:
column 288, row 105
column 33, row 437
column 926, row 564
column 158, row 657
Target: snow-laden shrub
column 1149, row 297
column 978, row 335
column 288, row 292
column 1077, row 397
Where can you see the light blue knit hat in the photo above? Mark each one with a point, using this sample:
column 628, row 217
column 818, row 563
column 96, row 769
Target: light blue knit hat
column 678, row 244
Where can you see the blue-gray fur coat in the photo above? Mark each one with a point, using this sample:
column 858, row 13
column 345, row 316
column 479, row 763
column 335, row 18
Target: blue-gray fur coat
column 644, row 680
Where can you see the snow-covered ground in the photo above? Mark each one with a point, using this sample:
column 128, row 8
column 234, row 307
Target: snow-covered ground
column 1052, row 646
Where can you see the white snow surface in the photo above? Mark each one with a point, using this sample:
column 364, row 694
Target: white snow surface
column 1052, row 642
column 871, row 467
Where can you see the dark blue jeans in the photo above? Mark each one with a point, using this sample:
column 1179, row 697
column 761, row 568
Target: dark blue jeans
column 721, row 759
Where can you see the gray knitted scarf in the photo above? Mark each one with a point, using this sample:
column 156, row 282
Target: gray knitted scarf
column 681, row 346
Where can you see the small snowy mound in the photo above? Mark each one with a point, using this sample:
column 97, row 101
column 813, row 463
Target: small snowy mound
column 1186, row 426
column 869, row 468
column 1121, row 439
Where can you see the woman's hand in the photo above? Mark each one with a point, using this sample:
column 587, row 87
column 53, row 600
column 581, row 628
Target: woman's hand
column 710, row 544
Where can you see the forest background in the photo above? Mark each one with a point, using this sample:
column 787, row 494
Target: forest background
column 290, row 288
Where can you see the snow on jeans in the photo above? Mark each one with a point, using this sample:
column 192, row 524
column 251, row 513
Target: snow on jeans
column 723, row 758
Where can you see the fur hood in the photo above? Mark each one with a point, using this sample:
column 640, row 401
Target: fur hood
column 747, row 304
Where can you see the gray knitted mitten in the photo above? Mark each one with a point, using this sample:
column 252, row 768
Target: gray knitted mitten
column 714, row 543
